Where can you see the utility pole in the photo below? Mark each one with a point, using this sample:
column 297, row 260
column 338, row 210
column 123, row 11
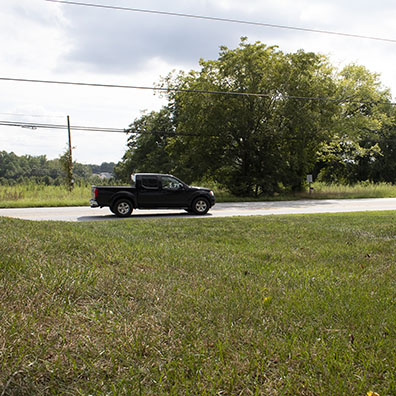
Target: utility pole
column 70, row 164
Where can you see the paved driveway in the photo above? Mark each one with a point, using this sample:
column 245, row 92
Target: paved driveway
column 85, row 213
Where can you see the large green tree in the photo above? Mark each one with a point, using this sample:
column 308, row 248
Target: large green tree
column 252, row 144
column 364, row 131
column 257, row 120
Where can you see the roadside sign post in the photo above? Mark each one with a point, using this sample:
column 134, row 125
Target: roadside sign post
column 309, row 181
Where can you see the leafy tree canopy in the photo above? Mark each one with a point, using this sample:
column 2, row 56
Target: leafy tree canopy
column 254, row 144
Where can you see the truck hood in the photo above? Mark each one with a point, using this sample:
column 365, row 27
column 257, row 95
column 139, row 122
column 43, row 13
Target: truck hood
column 200, row 188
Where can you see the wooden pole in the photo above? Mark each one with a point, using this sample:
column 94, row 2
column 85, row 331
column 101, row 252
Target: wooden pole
column 70, row 167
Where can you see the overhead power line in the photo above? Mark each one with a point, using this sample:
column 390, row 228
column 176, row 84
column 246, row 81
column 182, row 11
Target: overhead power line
column 196, row 91
column 81, row 84
column 34, row 125
column 128, row 130
column 220, row 19
column 31, row 125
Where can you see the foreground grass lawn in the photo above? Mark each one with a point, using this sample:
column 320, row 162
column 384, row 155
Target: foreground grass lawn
column 283, row 305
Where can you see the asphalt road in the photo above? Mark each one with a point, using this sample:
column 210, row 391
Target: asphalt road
column 85, row 213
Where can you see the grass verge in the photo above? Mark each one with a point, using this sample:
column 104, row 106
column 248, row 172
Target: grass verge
column 323, row 191
column 285, row 305
column 39, row 195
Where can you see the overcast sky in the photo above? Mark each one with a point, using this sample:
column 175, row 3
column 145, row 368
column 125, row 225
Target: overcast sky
column 48, row 41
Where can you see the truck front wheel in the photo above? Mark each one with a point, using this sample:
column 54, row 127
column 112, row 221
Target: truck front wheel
column 200, row 206
column 122, row 208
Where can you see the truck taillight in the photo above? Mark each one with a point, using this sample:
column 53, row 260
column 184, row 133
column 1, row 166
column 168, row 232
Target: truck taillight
column 96, row 192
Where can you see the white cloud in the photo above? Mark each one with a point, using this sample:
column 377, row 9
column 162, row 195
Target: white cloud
column 32, row 36
column 324, row 12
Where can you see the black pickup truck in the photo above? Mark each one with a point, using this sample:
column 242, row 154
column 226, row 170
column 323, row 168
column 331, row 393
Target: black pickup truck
column 153, row 191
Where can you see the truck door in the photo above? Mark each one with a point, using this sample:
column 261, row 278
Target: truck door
column 173, row 192
column 149, row 192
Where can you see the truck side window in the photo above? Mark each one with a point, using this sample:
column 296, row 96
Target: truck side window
column 170, row 183
column 150, row 183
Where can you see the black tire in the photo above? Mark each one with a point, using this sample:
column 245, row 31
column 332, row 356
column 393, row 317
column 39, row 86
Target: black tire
column 200, row 206
column 122, row 208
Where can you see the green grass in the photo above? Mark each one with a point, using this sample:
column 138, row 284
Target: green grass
column 33, row 195
column 359, row 190
column 285, row 305
column 323, row 191
column 40, row 195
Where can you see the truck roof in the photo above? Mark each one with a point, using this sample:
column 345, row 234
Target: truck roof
column 152, row 174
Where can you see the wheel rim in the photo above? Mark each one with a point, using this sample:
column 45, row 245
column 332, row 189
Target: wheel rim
column 201, row 206
column 123, row 208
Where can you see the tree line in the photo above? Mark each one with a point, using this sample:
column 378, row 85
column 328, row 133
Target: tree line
column 338, row 125
column 16, row 169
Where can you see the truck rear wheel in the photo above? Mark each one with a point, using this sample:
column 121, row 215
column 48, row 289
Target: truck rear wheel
column 122, row 208
column 200, row 206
